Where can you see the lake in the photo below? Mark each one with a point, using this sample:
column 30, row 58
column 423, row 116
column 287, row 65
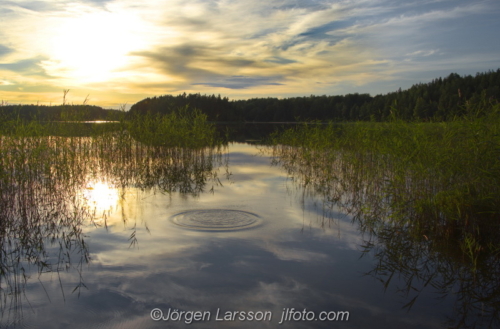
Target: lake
column 227, row 236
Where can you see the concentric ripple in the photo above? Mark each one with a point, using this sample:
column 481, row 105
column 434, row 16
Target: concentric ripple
column 216, row 219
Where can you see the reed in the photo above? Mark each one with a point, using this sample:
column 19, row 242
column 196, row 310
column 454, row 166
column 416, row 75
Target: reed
column 425, row 195
column 46, row 168
column 184, row 128
column 443, row 178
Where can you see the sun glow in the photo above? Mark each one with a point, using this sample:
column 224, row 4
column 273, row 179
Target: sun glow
column 93, row 47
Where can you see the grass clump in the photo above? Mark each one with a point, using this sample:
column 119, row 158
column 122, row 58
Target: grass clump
column 184, row 128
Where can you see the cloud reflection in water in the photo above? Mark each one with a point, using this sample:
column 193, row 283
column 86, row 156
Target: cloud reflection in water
column 291, row 260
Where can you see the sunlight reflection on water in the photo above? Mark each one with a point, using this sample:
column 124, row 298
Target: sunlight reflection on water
column 100, row 196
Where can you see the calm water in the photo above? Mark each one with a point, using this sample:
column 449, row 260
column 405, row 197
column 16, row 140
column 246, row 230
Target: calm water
column 248, row 239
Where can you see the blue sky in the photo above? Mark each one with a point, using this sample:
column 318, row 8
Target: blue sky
column 119, row 52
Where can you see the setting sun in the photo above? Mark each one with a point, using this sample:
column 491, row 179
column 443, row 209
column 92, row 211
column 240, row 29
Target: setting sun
column 92, row 47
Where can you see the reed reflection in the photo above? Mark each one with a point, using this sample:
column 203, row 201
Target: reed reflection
column 414, row 253
column 52, row 187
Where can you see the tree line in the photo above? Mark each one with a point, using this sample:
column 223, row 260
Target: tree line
column 439, row 100
column 57, row 113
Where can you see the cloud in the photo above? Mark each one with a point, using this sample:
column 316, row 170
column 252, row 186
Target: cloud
column 302, row 4
column 14, row 86
column 245, row 48
column 174, row 61
column 31, row 6
column 241, row 82
column 199, row 64
column 4, row 50
column 47, row 6
column 5, row 83
column 279, row 60
column 424, row 53
column 320, row 32
column 31, row 66
column 270, row 45
column 99, row 3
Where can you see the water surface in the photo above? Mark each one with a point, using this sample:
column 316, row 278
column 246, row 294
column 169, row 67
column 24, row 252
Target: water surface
column 242, row 236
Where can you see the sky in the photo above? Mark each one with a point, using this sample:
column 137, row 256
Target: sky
column 116, row 53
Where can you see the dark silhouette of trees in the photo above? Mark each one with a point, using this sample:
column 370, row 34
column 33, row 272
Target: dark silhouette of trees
column 57, row 113
column 215, row 107
column 440, row 99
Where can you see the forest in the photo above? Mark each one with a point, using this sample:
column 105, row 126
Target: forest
column 64, row 112
column 442, row 99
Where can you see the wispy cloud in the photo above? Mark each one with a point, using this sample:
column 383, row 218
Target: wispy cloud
column 423, row 53
column 31, row 66
column 242, row 48
column 241, row 82
column 4, row 50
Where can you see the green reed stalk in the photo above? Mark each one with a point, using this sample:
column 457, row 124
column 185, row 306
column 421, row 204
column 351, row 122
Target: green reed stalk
column 436, row 177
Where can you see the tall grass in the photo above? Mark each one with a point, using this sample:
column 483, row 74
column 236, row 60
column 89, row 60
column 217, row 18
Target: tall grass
column 185, row 128
column 430, row 175
column 427, row 195
column 444, row 171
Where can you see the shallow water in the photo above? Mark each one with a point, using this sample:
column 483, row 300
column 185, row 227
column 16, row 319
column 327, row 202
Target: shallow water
column 256, row 242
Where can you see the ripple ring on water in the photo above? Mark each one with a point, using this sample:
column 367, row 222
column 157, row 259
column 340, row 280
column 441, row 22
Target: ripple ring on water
column 216, row 220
